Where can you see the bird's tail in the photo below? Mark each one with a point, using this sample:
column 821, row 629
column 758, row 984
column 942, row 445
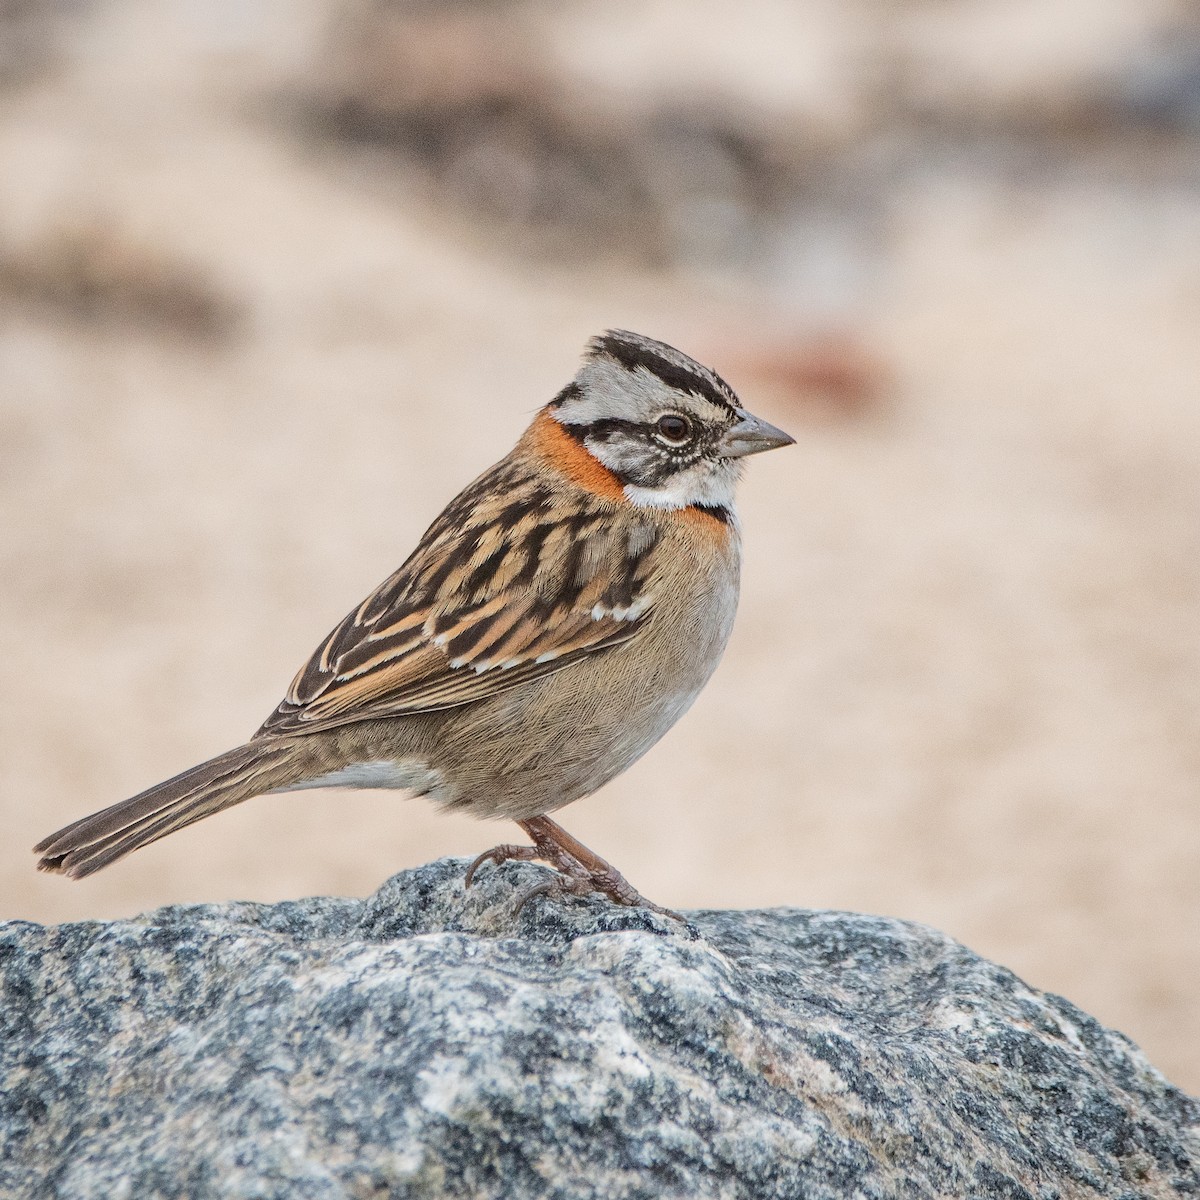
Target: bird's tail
column 94, row 842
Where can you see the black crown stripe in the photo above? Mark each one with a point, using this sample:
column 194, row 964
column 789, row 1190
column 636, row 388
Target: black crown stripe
column 634, row 354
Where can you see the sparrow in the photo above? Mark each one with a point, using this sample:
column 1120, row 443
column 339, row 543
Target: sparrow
column 557, row 618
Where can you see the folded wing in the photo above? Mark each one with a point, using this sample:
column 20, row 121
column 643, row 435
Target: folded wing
column 503, row 588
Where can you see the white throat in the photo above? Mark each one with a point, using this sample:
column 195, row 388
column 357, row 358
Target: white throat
column 700, row 484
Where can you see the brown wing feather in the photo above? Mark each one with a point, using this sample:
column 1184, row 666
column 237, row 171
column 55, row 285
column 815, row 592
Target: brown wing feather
column 510, row 583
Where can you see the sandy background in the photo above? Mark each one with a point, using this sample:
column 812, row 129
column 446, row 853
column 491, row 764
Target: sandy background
column 261, row 314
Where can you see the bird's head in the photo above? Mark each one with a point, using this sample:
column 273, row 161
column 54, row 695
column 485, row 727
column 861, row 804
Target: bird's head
column 672, row 431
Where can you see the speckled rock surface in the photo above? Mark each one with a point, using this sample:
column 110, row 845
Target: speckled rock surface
column 427, row 1042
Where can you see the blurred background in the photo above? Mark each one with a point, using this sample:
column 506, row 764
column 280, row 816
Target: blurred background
column 277, row 277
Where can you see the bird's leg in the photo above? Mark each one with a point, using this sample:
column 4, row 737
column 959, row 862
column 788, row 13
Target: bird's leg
column 580, row 870
column 540, row 851
column 587, row 872
column 500, row 854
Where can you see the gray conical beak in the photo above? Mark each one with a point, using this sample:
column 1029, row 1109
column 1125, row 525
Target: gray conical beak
column 751, row 435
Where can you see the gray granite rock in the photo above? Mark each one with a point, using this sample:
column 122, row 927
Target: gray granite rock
column 427, row 1042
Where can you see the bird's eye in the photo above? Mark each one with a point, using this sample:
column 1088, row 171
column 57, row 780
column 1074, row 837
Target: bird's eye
column 674, row 428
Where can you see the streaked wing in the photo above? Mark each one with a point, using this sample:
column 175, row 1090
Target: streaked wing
column 504, row 587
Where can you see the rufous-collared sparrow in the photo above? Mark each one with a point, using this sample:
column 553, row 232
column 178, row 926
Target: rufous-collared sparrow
column 553, row 623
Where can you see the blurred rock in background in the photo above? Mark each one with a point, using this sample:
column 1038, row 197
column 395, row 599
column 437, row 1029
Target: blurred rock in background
column 32, row 34
column 93, row 272
column 486, row 106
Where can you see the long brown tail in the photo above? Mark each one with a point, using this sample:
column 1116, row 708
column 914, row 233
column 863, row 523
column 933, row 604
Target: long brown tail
column 93, row 842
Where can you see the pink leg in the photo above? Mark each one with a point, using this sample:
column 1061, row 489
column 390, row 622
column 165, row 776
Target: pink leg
column 580, row 870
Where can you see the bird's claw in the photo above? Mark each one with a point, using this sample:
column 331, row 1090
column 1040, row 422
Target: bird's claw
column 572, row 876
column 499, row 855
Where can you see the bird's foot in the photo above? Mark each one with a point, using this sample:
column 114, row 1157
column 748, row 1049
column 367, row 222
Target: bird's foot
column 610, row 884
column 500, row 854
column 580, row 871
